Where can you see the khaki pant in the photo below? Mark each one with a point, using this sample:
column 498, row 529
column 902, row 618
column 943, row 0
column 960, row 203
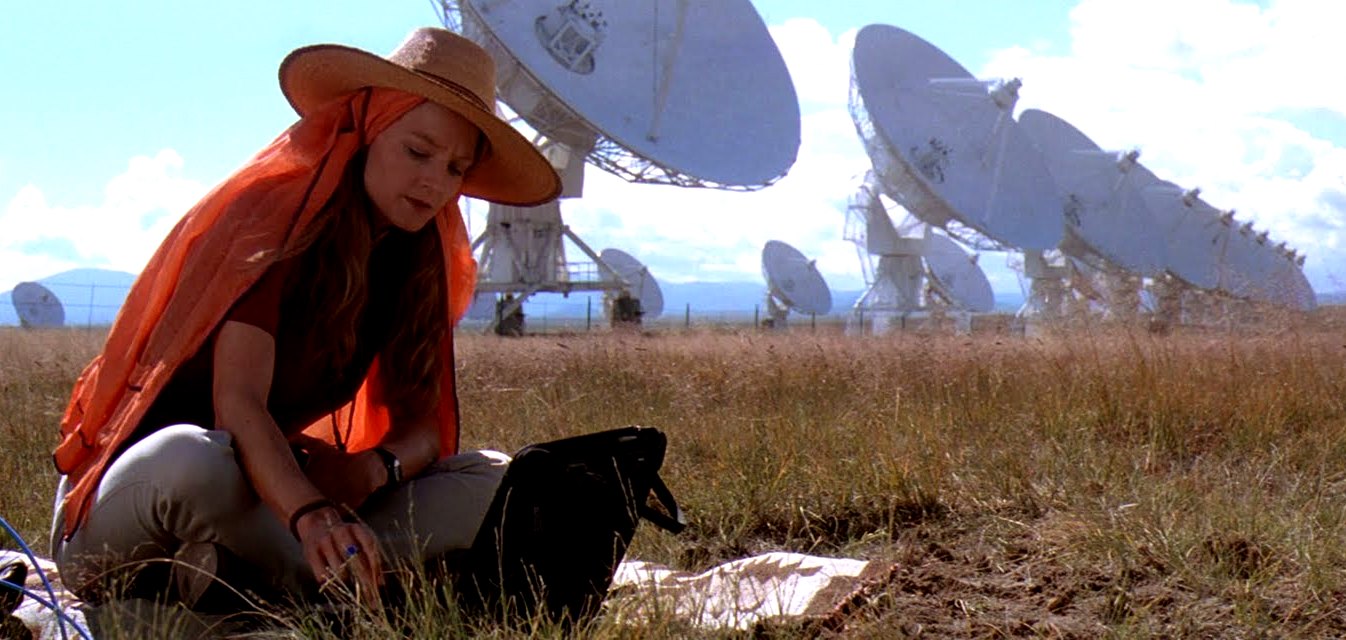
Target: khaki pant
column 183, row 484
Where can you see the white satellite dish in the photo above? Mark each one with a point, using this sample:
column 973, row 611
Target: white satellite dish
column 1262, row 272
column 1197, row 241
column 1211, row 252
column 1196, row 237
column 793, row 282
column 946, row 145
column 957, row 275
column 910, row 271
column 1291, row 288
column 680, row 92
column 890, row 258
column 37, row 306
column 1245, row 268
column 1286, row 284
column 1108, row 223
column 1113, row 239
column 643, row 285
column 686, row 92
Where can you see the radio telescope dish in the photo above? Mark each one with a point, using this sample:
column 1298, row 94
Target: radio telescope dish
column 1107, row 220
column 689, row 93
column 1261, row 272
column 1196, row 238
column 643, row 286
column 793, row 282
column 37, row 306
column 682, row 92
column 890, row 257
column 1210, row 250
column 1285, row 283
column 956, row 274
column 911, row 272
column 1245, row 268
column 1289, row 287
column 946, row 145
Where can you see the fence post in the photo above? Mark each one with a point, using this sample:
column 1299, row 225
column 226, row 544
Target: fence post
column 687, row 317
column 588, row 313
column 756, row 319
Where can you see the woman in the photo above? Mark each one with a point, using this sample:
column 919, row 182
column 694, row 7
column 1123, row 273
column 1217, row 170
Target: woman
column 279, row 383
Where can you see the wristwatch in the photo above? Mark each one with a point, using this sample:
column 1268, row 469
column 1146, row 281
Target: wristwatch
column 390, row 464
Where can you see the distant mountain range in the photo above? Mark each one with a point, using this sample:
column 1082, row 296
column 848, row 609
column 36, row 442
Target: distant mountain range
column 93, row 296
column 717, row 300
column 1332, row 298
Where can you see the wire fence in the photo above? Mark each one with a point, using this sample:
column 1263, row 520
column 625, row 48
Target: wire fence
column 96, row 305
column 84, row 304
column 588, row 314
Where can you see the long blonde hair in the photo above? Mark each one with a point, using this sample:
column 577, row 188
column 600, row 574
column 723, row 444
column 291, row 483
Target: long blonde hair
column 333, row 275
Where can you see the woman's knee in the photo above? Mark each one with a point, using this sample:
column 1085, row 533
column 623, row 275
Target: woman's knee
column 483, row 462
column 188, row 462
column 441, row 509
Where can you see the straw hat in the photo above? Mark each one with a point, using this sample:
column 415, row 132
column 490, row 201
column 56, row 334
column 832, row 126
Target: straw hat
column 445, row 68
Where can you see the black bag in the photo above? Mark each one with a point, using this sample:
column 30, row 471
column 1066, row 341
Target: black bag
column 561, row 521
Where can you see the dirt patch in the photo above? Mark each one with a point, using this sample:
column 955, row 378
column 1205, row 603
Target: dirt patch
column 956, row 581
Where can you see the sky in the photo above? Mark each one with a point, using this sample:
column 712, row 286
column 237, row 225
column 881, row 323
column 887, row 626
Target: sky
column 119, row 116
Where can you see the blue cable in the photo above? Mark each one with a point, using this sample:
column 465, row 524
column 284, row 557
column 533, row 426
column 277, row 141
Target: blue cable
column 61, row 615
column 55, row 604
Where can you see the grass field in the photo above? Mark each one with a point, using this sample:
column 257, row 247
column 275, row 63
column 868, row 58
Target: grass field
column 1076, row 484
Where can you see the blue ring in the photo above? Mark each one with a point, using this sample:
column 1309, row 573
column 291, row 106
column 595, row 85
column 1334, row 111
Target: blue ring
column 352, row 550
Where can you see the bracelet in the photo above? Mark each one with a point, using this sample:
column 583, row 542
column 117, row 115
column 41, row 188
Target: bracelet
column 321, row 503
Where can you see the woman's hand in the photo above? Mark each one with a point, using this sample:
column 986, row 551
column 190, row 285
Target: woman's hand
column 342, row 551
column 345, row 478
column 244, row 357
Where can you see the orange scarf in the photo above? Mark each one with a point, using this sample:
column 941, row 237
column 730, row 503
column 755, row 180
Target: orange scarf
column 219, row 249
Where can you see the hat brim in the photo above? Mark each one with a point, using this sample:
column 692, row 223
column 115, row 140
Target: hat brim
column 514, row 172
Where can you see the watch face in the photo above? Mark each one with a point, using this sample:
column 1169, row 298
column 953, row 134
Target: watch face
column 391, row 464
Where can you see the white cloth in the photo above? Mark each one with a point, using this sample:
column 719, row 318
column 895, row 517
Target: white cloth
column 43, row 622
column 740, row 594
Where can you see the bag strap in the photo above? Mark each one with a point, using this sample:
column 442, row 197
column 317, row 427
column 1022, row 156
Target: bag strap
column 674, row 521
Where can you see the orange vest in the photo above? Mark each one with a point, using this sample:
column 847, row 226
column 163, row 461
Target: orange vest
column 219, row 249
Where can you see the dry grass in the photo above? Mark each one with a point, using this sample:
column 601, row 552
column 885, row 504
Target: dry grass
column 1100, row 481
column 37, row 371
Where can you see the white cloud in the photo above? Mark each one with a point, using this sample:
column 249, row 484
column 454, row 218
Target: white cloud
column 814, row 57
column 718, row 235
column 18, row 266
column 140, row 206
